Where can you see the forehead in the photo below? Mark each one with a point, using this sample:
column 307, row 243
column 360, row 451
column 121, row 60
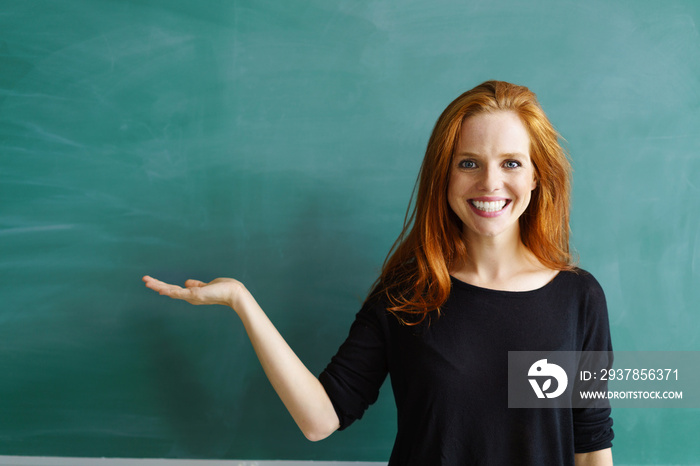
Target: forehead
column 490, row 133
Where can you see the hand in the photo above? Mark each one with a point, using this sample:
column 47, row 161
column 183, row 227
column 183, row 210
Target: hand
column 224, row 291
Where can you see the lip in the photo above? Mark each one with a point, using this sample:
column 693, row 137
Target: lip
column 489, row 199
column 481, row 213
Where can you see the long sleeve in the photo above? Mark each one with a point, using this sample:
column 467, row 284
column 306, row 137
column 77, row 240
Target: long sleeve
column 353, row 377
column 593, row 426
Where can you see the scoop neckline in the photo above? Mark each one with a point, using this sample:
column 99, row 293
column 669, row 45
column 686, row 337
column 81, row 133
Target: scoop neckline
column 457, row 281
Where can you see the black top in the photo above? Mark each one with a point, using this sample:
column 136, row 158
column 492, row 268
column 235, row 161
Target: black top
column 449, row 375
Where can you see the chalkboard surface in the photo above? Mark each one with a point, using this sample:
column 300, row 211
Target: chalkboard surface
column 278, row 142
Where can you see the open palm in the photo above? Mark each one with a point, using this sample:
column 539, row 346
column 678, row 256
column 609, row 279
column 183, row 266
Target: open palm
column 220, row 291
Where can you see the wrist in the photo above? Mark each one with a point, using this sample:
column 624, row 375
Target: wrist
column 239, row 298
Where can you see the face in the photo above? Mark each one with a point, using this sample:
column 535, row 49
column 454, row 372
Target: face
column 492, row 176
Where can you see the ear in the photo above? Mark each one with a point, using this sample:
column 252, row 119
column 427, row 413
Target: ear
column 534, row 182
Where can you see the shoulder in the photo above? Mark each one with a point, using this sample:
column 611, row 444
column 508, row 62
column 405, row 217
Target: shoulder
column 373, row 312
column 592, row 309
column 581, row 281
column 580, row 288
column 588, row 292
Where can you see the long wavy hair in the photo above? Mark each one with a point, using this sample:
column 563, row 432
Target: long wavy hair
column 415, row 276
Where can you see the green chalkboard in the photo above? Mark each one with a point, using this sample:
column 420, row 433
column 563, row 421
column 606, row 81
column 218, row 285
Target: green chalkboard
column 278, row 142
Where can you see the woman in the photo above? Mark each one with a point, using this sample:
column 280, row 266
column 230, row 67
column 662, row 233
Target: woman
column 481, row 268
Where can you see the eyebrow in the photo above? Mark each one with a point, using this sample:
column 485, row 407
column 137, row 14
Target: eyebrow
column 504, row 155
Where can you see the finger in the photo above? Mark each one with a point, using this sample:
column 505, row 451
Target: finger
column 161, row 287
column 148, row 279
column 194, row 283
column 152, row 283
column 173, row 291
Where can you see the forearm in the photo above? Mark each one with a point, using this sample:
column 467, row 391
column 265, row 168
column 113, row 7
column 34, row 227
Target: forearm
column 594, row 458
column 300, row 391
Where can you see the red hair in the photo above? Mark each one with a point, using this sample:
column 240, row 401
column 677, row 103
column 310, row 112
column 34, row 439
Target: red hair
column 415, row 277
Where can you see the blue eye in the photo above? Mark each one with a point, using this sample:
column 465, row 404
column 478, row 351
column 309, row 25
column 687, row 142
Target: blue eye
column 512, row 164
column 467, row 164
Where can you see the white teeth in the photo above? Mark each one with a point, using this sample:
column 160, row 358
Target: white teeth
column 493, row 206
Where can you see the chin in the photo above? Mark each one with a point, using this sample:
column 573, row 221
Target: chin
column 491, row 233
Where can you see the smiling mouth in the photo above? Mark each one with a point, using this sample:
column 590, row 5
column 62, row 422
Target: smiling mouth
column 490, row 206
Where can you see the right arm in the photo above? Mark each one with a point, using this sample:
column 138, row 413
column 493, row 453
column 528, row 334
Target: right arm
column 300, row 391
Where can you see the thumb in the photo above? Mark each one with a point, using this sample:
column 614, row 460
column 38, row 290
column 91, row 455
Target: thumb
column 194, row 284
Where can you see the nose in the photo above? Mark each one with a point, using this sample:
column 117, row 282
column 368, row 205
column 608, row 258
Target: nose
column 491, row 179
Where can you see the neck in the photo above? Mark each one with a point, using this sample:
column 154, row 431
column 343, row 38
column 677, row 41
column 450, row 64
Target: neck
column 496, row 259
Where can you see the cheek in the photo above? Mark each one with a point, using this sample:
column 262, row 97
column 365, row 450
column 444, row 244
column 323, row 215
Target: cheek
column 454, row 193
column 523, row 189
column 533, row 174
column 528, row 191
